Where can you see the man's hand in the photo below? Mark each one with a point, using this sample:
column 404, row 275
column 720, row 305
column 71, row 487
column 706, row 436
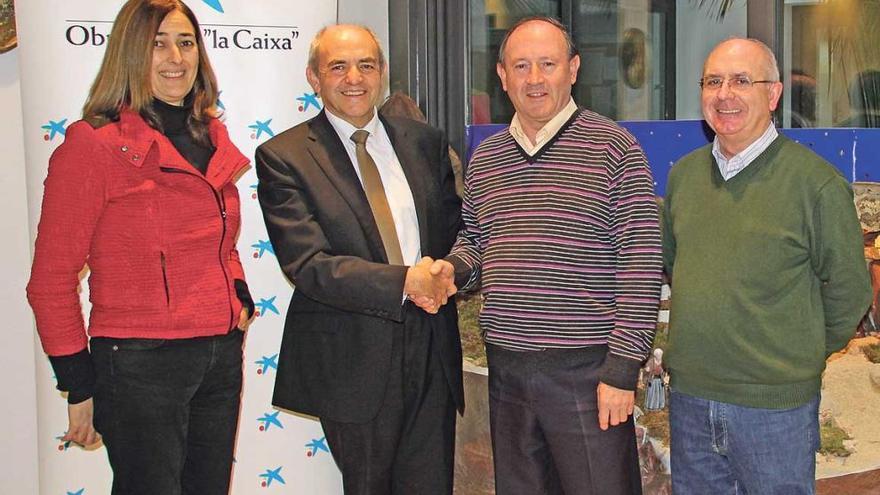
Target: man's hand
column 429, row 287
column 615, row 405
column 443, row 268
column 444, row 274
column 244, row 321
column 80, row 428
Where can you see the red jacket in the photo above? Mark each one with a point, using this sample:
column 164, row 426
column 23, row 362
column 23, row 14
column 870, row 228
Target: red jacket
column 158, row 237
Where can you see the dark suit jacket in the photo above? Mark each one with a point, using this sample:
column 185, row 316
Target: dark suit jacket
column 336, row 348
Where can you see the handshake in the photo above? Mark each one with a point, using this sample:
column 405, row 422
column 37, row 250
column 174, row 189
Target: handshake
column 429, row 283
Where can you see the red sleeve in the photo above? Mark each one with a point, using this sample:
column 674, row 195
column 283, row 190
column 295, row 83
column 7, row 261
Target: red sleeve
column 75, row 193
column 235, row 265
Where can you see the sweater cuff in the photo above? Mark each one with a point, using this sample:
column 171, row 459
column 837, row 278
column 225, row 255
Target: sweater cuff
column 619, row 372
column 463, row 273
column 244, row 295
column 75, row 375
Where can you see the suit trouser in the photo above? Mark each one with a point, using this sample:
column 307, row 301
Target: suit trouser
column 544, row 419
column 407, row 449
column 168, row 412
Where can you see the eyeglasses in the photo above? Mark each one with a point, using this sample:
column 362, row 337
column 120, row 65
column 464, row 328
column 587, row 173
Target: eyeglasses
column 735, row 83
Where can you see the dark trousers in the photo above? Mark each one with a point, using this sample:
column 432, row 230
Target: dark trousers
column 407, row 449
column 168, row 411
column 543, row 416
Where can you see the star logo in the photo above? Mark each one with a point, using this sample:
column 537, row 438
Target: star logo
column 261, row 127
column 63, row 444
column 266, row 305
column 317, row 445
column 78, row 492
column 308, row 100
column 261, row 247
column 214, row 4
column 53, row 128
column 272, row 475
column 220, row 104
column 267, row 363
column 268, row 420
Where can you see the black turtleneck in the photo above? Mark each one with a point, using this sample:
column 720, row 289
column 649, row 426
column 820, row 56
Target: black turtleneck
column 174, row 119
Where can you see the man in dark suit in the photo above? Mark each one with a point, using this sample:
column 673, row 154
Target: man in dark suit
column 357, row 206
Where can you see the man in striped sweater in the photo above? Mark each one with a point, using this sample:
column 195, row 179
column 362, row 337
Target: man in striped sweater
column 561, row 229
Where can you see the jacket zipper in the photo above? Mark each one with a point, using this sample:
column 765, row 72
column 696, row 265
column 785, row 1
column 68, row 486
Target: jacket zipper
column 221, row 206
column 165, row 279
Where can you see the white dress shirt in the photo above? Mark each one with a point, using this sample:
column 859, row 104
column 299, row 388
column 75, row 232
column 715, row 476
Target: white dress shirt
column 400, row 198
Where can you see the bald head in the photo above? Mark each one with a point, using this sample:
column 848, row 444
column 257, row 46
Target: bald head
column 766, row 59
column 346, row 68
column 342, row 30
column 740, row 113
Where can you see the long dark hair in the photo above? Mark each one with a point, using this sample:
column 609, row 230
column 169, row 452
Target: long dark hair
column 124, row 78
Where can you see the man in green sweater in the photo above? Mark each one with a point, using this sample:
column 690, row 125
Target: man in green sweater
column 764, row 251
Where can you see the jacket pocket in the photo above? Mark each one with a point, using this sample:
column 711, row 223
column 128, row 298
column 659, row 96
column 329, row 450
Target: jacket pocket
column 165, row 278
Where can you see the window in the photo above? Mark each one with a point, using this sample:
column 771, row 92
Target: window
column 627, row 51
column 490, row 20
column 640, row 59
column 832, row 63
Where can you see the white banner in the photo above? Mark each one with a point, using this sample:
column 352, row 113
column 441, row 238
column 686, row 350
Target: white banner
column 259, row 52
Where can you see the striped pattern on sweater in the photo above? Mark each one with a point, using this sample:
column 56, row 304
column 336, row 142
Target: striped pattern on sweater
column 567, row 244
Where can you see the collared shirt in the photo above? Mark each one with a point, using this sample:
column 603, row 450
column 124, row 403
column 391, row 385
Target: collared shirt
column 729, row 168
column 400, row 198
column 545, row 133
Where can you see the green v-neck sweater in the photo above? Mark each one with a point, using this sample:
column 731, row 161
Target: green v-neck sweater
column 768, row 275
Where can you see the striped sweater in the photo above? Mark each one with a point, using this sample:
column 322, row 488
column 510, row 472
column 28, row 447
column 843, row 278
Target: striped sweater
column 566, row 243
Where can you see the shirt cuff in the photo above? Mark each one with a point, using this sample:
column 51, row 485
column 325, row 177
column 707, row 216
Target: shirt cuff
column 620, row 372
column 244, row 295
column 75, row 375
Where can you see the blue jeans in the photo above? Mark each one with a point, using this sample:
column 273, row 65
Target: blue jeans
column 720, row 448
column 168, row 411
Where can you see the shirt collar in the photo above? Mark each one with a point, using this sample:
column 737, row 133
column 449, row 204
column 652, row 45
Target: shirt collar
column 545, row 133
column 730, row 167
column 345, row 129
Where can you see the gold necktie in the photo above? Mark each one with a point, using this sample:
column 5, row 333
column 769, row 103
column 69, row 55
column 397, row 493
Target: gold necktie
column 376, row 196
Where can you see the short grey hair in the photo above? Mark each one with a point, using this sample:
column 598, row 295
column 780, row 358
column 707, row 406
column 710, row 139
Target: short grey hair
column 569, row 42
column 315, row 45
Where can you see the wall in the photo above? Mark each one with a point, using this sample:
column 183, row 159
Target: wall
column 18, row 429
column 697, row 33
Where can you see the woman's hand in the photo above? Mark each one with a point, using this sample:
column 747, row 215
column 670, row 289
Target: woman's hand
column 243, row 320
column 81, row 429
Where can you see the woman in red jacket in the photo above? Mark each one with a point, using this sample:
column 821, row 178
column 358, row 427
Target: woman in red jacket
column 142, row 192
